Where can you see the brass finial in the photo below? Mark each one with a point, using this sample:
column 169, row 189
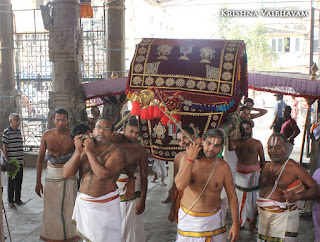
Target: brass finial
column 114, row 75
column 136, row 97
column 314, row 70
column 147, row 95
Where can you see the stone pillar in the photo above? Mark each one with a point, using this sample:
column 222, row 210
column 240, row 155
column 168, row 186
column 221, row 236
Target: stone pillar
column 115, row 37
column 8, row 93
column 66, row 54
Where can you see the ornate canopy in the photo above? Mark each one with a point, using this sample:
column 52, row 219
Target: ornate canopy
column 209, row 77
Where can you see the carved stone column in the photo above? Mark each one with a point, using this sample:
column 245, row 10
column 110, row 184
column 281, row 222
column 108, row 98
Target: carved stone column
column 115, row 37
column 8, row 93
column 66, row 54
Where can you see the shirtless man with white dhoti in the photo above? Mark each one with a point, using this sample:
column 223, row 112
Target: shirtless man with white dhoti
column 250, row 156
column 132, row 205
column 59, row 193
column 97, row 208
column 282, row 183
column 201, row 215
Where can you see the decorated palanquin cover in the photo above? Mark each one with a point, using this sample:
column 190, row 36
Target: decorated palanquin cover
column 209, row 75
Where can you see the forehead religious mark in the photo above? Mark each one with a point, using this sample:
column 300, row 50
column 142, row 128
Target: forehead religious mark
column 273, row 141
column 105, row 121
column 180, row 136
column 213, row 141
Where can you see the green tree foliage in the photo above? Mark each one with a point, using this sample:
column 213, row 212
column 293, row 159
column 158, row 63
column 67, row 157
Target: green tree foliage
column 259, row 52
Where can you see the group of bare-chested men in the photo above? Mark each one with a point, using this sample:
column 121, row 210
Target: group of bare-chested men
column 96, row 208
column 106, row 161
column 273, row 193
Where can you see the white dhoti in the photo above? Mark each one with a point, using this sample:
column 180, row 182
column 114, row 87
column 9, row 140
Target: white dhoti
column 201, row 226
column 132, row 227
column 231, row 158
column 59, row 197
column 159, row 167
column 247, row 188
column 170, row 174
column 279, row 223
column 98, row 219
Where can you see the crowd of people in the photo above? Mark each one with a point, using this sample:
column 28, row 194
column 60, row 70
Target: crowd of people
column 96, row 180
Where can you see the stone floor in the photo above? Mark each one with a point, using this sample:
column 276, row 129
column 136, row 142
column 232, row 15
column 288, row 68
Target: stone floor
column 25, row 221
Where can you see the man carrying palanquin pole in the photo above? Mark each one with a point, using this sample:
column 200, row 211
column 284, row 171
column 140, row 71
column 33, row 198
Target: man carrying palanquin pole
column 133, row 205
column 184, row 142
column 250, row 156
column 258, row 111
column 97, row 208
column 201, row 215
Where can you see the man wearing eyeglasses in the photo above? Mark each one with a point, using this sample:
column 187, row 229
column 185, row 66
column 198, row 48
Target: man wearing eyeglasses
column 97, row 208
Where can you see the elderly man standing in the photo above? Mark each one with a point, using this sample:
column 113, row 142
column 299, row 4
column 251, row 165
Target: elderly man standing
column 13, row 148
column 283, row 183
column 201, row 213
column 59, row 193
column 97, row 208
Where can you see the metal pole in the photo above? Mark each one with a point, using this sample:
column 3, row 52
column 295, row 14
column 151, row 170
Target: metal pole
column 5, row 215
column 318, row 43
column 307, row 125
column 311, row 38
column 307, row 121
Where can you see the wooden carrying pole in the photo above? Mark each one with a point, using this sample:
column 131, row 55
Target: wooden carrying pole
column 124, row 119
column 228, row 126
column 149, row 95
column 175, row 122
